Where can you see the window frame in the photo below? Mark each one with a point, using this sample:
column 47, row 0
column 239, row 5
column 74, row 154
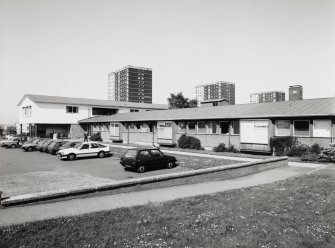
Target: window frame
column 182, row 131
column 221, row 128
column 289, row 128
column 309, row 129
column 216, row 127
column 205, row 132
column 188, row 128
column 68, row 108
column 232, row 132
column 330, row 122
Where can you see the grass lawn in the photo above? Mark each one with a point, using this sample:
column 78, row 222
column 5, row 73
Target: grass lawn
column 299, row 212
column 185, row 161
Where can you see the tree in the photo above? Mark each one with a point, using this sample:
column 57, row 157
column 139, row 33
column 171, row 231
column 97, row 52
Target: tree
column 193, row 103
column 179, row 101
column 11, row 130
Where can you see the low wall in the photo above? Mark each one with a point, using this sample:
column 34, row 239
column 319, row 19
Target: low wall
column 323, row 142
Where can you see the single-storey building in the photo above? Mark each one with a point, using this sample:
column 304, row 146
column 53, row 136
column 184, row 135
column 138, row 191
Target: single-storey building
column 248, row 127
column 41, row 115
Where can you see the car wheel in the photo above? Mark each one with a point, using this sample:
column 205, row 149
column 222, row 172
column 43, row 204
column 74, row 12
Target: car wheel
column 101, row 154
column 13, row 146
column 71, row 157
column 141, row 169
column 30, row 149
column 170, row 165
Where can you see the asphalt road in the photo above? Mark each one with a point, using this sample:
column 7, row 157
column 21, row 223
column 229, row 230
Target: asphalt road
column 17, row 161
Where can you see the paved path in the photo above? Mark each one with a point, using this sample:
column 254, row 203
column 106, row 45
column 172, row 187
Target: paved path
column 21, row 214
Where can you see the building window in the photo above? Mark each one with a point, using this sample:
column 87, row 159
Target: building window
column 134, row 110
column 301, row 128
column 236, row 127
column 191, row 127
column 125, row 128
column 201, row 127
column 131, row 128
column 151, row 128
column 145, row 128
column 224, row 126
column 27, row 110
column 283, row 128
column 181, row 127
column 71, row 109
column 322, row 128
column 212, row 127
column 138, row 127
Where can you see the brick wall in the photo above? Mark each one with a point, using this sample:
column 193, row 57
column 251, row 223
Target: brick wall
column 76, row 132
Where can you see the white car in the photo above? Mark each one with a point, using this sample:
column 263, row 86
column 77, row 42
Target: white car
column 84, row 149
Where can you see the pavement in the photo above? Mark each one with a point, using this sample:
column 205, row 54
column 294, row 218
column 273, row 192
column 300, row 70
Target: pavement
column 29, row 213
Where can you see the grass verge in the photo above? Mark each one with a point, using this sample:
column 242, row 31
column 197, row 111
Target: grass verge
column 299, row 212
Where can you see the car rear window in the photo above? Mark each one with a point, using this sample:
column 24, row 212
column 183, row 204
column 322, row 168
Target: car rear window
column 131, row 153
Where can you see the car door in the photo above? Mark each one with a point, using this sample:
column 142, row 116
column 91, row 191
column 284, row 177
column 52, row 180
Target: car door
column 95, row 149
column 144, row 158
column 157, row 158
column 84, row 150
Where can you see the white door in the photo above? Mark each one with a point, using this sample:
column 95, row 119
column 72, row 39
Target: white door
column 254, row 131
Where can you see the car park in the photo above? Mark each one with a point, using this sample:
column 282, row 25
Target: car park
column 53, row 148
column 84, row 149
column 12, row 143
column 143, row 159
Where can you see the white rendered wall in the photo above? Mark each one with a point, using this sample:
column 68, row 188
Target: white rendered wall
column 49, row 113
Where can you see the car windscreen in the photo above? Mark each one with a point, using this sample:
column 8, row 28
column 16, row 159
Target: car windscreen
column 78, row 145
column 131, row 154
column 53, row 143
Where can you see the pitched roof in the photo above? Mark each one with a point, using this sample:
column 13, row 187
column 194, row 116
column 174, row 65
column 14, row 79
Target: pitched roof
column 90, row 102
column 302, row 108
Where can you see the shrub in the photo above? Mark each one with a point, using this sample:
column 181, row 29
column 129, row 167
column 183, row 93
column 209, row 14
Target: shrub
column 316, row 149
column 299, row 150
column 232, row 149
column 220, row 148
column 309, row 157
column 282, row 145
column 96, row 137
column 189, row 142
column 182, row 141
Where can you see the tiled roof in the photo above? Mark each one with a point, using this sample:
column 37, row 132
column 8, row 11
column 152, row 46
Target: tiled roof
column 302, row 108
column 91, row 102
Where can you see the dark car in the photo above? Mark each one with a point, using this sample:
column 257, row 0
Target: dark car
column 44, row 146
column 53, row 148
column 143, row 159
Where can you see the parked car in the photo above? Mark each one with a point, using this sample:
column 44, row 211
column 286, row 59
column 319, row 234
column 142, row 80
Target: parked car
column 53, row 148
column 84, row 149
column 143, row 159
column 33, row 145
column 44, row 146
column 25, row 140
column 40, row 144
column 13, row 142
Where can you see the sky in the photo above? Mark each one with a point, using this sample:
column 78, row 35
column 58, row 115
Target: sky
column 68, row 47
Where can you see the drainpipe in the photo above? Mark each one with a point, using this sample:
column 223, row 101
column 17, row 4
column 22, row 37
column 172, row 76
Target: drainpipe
column 128, row 133
column 153, row 135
